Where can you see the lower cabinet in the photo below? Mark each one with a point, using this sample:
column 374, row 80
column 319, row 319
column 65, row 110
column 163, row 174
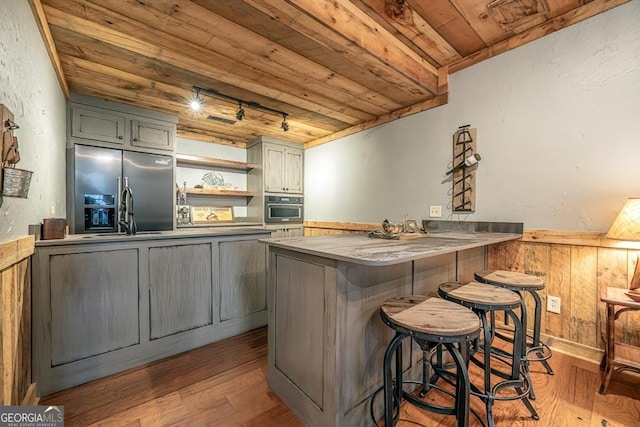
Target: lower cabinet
column 285, row 230
column 94, row 304
column 105, row 307
column 180, row 289
column 243, row 286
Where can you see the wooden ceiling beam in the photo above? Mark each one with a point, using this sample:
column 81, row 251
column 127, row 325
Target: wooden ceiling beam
column 450, row 24
column 358, row 28
column 153, row 44
column 43, row 26
column 190, row 22
column 418, row 31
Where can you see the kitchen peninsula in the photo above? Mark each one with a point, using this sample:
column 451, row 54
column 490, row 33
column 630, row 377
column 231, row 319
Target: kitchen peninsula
column 103, row 303
column 326, row 339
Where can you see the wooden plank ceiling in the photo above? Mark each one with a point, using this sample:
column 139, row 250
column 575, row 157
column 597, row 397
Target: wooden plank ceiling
column 333, row 66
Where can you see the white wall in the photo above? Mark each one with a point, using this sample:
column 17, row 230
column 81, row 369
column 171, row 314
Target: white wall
column 558, row 132
column 30, row 89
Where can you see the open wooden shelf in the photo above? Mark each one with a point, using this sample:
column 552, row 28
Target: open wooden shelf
column 188, row 159
column 217, row 192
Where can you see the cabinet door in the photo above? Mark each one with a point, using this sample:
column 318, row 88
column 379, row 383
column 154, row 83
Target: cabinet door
column 149, row 134
column 243, row 287
column 180, row 288
column 273, row 168
column 293, row 170
column 94, row 303
column 97, row 125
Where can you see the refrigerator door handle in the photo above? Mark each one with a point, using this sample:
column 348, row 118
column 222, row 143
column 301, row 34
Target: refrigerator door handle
column 118, row 203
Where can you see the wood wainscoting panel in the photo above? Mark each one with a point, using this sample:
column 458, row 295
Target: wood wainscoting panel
column 559, row 284
column 584, row 295
column 15, row 322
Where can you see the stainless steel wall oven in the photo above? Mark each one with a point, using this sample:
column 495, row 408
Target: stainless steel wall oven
column 283, row 209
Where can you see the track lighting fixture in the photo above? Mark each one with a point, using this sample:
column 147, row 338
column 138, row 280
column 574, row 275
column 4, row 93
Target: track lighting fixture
column 197, row 103
column 240, row 112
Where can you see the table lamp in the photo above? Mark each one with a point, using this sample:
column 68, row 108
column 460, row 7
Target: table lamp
column 627, row 227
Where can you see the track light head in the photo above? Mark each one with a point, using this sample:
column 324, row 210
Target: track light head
column 240, row 112
column 197, row 102
column 284, row 125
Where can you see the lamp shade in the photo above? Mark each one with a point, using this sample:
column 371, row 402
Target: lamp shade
column 627, row 224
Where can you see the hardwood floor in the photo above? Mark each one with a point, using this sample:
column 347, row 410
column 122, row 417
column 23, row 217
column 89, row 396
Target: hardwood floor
column 224, row 384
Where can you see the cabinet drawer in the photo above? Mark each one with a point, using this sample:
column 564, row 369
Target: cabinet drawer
column 97, row 125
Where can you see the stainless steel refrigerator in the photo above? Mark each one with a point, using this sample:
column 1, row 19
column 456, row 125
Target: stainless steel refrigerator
column 97, row 178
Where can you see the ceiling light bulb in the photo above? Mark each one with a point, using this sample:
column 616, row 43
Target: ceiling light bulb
column 196, row 105
column 284, row 125
column 197, row 102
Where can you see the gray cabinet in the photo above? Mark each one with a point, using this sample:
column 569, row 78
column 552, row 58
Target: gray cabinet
column 109, row 124
column 285, row 230
column 97, row 125
column 152, row 134
column 243, row 287
column 100, row 308
column 279, row 166
column 283, row 171
column 94, row 303
column 180, row 289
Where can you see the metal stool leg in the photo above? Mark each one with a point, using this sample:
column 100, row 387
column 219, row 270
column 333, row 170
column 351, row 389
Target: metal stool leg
column 462, row 384
column 390, row 417
column 536, row 332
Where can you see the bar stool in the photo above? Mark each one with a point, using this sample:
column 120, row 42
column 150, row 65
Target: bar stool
column 535, row 350
column 431, row 322
column 484, row 300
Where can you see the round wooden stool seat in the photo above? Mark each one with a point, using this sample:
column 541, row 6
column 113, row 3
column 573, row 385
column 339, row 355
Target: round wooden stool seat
column 510, row 279
column 485, row 300
column 480, row 296
column 433, row 324
column 535, row 349
column 429, row 316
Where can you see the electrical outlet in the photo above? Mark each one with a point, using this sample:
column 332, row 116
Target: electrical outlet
column 435, row 211
column 553, row 304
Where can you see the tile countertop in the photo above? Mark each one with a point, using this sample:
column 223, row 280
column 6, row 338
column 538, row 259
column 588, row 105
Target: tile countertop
column 364, row 250
column 216, row 231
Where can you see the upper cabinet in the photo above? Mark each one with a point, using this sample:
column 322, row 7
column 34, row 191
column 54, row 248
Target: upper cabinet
column 97, row 125
column 108, row 124
column 281, row 165
column 282, row 169
column 152, row 134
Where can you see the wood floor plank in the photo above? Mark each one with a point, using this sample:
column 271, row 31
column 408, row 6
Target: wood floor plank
column 224, row 385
